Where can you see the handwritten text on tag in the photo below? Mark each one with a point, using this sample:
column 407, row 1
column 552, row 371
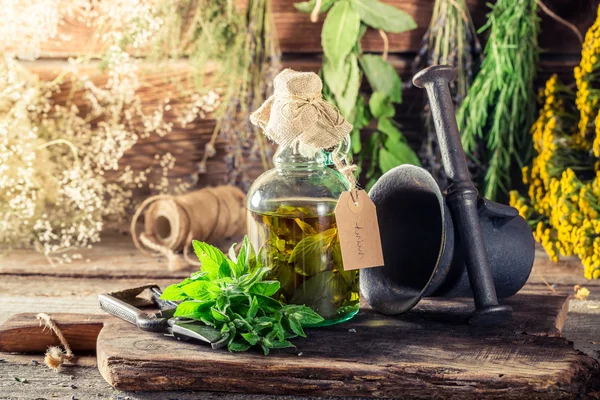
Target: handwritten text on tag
column 358, row 231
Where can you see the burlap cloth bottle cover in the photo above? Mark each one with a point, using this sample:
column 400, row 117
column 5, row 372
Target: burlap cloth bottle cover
column 297, row 112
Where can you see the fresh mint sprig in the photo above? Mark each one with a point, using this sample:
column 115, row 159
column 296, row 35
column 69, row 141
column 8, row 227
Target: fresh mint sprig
column 231, row 294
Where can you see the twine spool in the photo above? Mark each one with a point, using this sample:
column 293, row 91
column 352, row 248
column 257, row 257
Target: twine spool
column 172, row 222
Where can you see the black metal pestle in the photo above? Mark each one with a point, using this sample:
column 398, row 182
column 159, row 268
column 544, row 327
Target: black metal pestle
column 461, row 195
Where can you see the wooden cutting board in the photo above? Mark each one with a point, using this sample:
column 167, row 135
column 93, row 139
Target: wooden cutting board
column 429, row 352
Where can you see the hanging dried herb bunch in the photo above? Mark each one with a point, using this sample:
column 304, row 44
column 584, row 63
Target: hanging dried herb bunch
column 450, row 39
column 256, row 69
column 495, row 117
column 240, row 52
column 343, row 68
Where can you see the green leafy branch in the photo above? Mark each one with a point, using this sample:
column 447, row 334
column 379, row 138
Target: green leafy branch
column 231, row 294
column 344, row 66
column 495, row 117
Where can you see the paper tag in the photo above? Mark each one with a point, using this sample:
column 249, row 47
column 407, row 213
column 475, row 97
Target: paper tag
column 358, row 231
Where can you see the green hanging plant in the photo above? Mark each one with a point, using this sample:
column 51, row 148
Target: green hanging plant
column 345, row 64
column 496, row 115
column 451, row 39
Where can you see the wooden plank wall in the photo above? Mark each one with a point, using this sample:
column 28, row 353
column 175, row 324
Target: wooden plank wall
column 300, row 44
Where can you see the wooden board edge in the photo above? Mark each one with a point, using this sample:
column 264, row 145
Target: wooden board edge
column 103, row 367
column 581, row 376
column 579, row 380
column 24, row 333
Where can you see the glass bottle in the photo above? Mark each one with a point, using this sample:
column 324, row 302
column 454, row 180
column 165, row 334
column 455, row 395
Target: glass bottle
column 290, row 215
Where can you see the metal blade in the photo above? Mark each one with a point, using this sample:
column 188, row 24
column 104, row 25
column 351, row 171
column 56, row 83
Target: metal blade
column 168, row 314
column 186, row 330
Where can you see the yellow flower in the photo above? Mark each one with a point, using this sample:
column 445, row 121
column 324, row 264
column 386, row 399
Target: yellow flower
column 566, row 139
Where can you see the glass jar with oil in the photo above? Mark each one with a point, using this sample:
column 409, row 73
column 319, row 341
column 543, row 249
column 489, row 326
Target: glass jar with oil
column 291, row 222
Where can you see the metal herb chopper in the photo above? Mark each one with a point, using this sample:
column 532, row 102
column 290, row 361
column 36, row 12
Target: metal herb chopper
column 453, row 246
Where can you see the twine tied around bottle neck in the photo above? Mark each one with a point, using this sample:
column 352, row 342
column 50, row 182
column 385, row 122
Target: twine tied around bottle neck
column 322, row 110
column 297, row 112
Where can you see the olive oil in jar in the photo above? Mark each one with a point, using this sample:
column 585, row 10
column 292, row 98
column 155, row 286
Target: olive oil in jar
column 300, row 244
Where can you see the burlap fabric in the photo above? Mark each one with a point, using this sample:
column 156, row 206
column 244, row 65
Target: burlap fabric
column 297, row 112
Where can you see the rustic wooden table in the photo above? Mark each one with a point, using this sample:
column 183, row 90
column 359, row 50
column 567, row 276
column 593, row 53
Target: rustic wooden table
column 29, row 284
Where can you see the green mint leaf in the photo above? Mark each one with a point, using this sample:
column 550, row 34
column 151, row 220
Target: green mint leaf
column 347, row 277
column 383, row 16
column 262, row 323
column 218, row 315
column 309, row 6
column 317, row 292
column 283, row 344
column 340, row 31
column 381, row 105
column 336, row 253
column 192, row 309
column 238, row 346
column 246, row 259
column 225, row 270
column 256, row 276
column 296, row 327
column 279, row 331
column 238, row 300
column 268, row 304
column 210, row 257
column 232, row 330
column 231, row 253
column 253, row 308
column 382, row 76
column 265, row 349
column 251, row 338
column 223, row 302
column 201, row 290
column 306, row 228
column 199, row 275
column 266, row 288
column 173, row 293
column 308, row 255
column 272, row 334
column 303, row 314
column 184, row 282
column 226, row 330
column 241, row 323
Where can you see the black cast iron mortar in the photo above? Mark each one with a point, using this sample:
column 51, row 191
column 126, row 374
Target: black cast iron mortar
column 455, row 246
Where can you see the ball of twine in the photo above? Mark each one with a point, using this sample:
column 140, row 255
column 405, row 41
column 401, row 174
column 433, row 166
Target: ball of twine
column 172, row 222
